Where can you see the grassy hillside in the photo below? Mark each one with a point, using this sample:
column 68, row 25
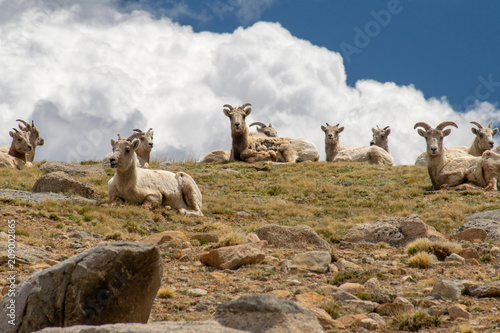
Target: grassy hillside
column 240, row 197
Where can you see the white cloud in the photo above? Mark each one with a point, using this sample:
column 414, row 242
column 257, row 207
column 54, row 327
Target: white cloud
column 86, row 72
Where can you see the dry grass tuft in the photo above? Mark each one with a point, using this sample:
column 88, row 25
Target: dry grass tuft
column 422, row 260
column 441, row 249
column 165, row 293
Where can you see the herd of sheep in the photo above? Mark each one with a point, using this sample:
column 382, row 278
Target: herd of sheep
column 477, row 165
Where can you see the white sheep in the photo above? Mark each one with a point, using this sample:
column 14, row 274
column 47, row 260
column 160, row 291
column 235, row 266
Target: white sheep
column 145, row 146
column 34, row 139
column 261, row 148
column 482, row 142
column 446, row 170
column 16, row 156
column 381, row 138
column 336, row 153
column 150, row 188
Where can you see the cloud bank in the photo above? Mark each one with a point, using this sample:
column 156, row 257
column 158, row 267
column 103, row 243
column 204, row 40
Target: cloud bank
column 86, row 71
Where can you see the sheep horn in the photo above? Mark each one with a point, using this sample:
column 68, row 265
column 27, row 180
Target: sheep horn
column 489, row 125
column 119, row 136
column 425, row 126
column 137, row 130
column 15, row 129
column 327, row 124
column 385, row 128
column 245, row 105
column 228, row 106
column 258, row 123
column 477, row 124
column 338, row 125
column 149, row 130
column 446, row 123
column 25, row 124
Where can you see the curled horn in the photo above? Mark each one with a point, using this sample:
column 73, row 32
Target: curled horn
column 258, row 123
column 228, row 106
column 445, row 124
column 385, row 128
column 138, row 130
column 425, row 126
column 28, row 127
column 245, row 105
column 477, row 124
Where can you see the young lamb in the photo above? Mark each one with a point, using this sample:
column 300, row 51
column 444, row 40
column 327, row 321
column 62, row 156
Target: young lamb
column 150, row 188
column 146, row 144
column 34, row 139
column 483, row 141
column 260, row 148
column 381, row 138
column 335, row 153
column 16, row 156
column 447, row 170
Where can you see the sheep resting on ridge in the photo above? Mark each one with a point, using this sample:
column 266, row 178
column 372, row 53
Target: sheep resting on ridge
column 34, row 139
column 261, row 148
column 16, row 156
column 483, row 141
column 150, row 188
column 446, row 170
column 335, row 153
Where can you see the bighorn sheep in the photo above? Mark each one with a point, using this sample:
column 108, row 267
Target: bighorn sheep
column 483, row 141
column 34, row 139
column 260, row 148
column 447, row 169
column 335, row 153
column 16, row 156
column 145, row 146
column 266, row 130
column 381, row 138
column 150, row 188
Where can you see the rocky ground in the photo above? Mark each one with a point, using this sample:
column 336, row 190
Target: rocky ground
column 192, row 290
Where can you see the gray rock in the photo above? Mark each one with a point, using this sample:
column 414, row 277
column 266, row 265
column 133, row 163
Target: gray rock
column 484, row 290
column 209, row 326
column 489, row 221
column 28, row 196
column 60, row 182
column 378, row 292
column 109, row 283
column 347, row 266
column 448, row 289
column 233, row 257
column 71, row 168
column 455, row 257
column 299, row 237
column 345, row 296
column 358, row 306
column 26, row 254
column 314, row 261
column 266, row 313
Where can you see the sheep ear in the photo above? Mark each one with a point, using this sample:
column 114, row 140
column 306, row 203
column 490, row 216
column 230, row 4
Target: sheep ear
column 421, row 132
column 135, row 144
column 227, row 112
column 12, row 133
column 323, row 128
column 495, row 131
column 447, row 132
column 474, row 130
column 373, row 130
column 248, row 111
column 113, row 143
column 341, row 129
column 388, row 131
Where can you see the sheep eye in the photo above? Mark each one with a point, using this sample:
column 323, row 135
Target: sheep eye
column 127, row 151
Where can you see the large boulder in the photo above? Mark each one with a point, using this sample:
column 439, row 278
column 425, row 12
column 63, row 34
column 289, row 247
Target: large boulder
column 61, row 182
column 489, row 221
column 233, row 257
column 299, row 237
column 71, row 168
column 266, row 313
column 110, row 283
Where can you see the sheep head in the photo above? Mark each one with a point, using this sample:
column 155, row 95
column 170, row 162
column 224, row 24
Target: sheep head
column 484, row 136
column 237, row 117
column 266, row 130
column 434, row 136
column 332, row 133
column 123, row 156
column 20, row 141
column 34, row 134
column 145, row 138
column 380, row 136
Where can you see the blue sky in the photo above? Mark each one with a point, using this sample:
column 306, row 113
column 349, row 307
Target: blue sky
column 87, row 70
column 445, row 48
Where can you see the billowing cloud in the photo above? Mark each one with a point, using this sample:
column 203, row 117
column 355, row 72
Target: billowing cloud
column 85, row 71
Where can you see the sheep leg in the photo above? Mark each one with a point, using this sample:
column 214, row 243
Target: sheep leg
column 251, row 156
column 152, row 201
column 191, row 194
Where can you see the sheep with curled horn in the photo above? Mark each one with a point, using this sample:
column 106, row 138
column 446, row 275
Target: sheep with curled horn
column 266, row 130
column 261, row 148
column 336, row 153
column 150, row 188
column 35, row 139
column 448, row 170
column 15, row 158
column 145, row 147
column 483, row 141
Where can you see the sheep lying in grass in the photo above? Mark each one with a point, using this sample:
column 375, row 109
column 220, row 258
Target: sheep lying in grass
column 260, row 148
column 335, row 153
column 483, row 141
column 150, row 188
column 34, row 139
column 225, row 155
column 447, row 170
column 16, row 156
column 381, row 138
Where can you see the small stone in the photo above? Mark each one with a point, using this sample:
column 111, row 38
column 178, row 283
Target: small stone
column 196, row 292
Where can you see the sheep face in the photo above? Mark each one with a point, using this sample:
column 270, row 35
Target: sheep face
column 332, row 133
column 123, row 156
column 147, row 139
column 484, row 136
column 237, row 117
column 434, row 139
column 21, row 141
column 380, row 137
column 34, row 134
